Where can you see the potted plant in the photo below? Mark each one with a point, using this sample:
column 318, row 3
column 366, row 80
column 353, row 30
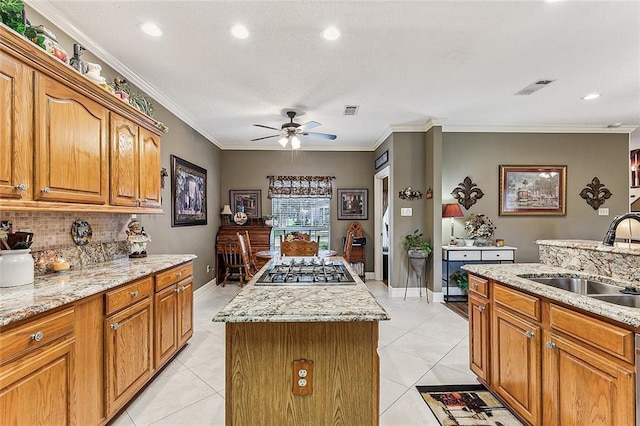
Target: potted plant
column 268, row 219
column 461, row 279
column 12, row 15
column 416, row 246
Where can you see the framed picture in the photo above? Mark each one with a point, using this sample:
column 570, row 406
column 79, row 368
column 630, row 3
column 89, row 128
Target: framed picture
column 635, row 168
column 380, row 161
column 352, row 204
column 533, row 190
column 188, row 193
column 248, row 201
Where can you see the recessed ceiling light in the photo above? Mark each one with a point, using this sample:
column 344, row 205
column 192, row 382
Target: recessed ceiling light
column 591, row 96
column 331, row 33
column 151, row 29
column 240, row 31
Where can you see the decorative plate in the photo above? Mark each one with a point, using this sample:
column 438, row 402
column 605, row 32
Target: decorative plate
column 81, row 232
column 240, row 218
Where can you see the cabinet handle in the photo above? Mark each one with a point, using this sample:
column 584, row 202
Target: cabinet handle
column 474, row 285
column 529, row 334
column 177, row 290
column 143, row 200
column 114, row 326
column 550, row 345
column 179, row 274
column 134, row 293
column 37, row 336
column 45, row 190
column 481, row 308
column 20, row 187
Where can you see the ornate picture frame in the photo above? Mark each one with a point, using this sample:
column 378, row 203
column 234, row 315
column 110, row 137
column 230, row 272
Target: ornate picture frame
column 188, row 193
column 533, row 191
column 353, row 204
column 248, row 201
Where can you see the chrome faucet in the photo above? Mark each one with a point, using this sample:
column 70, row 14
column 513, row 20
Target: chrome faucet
column 610, row 236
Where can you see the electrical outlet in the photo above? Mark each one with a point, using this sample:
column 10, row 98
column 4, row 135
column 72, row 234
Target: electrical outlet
column 603, row 211
column 208, row 268
column 302, row 377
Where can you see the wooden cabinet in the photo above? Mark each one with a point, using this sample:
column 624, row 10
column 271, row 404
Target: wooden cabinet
column 71, row 145
column 173, row 312
column 16, row 129
column 135, row 165
column 479, row 327
column 37, row 372
column 128, row 343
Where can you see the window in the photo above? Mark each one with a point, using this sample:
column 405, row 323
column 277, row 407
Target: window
column 308, row 215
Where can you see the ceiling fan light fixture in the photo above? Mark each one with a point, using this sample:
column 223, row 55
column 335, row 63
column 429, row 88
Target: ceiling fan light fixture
column 239, row 31
column 331, row 33
column 283, row 141
column 295, row 142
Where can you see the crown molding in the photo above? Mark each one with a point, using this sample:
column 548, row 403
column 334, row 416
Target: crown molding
column 536, row 129
column 46, row 9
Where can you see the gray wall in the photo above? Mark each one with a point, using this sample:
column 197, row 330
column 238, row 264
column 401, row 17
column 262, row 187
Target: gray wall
column 249, row 170
column 478, row 156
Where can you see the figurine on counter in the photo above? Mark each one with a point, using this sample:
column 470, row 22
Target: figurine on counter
column 137, row 239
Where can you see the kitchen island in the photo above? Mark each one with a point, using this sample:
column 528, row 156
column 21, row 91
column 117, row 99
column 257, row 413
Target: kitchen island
column 302, row 354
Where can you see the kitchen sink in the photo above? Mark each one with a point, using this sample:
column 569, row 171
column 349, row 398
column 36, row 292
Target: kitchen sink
column 630, row 300
column 578, row 285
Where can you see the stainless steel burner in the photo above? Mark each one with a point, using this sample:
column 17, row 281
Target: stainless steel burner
column 306, row 271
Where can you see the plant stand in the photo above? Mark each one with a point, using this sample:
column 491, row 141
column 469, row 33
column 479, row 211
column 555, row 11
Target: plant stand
column 418, row 265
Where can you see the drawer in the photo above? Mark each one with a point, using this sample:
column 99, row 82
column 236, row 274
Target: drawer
column 609, row 338
column 478, row 285
column 173, row 275
column 497, row 255
column 18, row 341
column 464, row 255
column 127, row 295
column 521, row 303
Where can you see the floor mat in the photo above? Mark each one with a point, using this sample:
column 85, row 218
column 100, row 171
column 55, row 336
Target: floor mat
column 468, row 405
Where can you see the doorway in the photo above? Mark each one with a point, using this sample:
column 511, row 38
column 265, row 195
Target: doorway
column 383, row 232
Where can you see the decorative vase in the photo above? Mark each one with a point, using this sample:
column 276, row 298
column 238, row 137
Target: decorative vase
column 468, row 243
column 480, row 242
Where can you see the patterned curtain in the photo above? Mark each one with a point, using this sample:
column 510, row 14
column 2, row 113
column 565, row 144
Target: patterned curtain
column 300, row 186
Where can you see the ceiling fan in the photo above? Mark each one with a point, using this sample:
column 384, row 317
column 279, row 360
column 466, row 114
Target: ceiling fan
column 290, row 132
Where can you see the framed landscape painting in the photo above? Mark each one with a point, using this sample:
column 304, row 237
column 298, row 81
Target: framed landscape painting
column 248, row 201
column 533, row 190
column 188, row 193
column 352, row 204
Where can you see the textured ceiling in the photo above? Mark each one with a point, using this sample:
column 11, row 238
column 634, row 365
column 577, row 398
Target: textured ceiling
column 458, row 63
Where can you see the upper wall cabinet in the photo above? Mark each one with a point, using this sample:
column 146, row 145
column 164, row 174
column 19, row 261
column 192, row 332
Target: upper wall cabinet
column 68, row 145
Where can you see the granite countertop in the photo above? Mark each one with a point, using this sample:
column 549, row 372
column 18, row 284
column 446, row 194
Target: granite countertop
column 510, row 273
column 621, row 248
column 303, row 303
column 54, row 290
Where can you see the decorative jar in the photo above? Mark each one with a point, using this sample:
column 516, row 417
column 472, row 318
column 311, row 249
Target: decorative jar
column 16, row 267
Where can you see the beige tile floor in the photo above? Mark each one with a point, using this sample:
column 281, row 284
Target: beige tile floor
column 423, row 344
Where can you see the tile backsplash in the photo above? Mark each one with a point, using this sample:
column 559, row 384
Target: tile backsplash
column 52, row 237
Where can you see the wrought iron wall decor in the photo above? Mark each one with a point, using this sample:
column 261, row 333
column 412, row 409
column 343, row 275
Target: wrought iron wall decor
column 409, row 194
column 467, row 193
column 595, row 193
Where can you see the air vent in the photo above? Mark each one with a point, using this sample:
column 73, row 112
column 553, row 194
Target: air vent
column 534, row 87
column 351, row 109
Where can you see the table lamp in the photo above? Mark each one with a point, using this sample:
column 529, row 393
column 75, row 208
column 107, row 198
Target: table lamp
column 226, row 214
column 452, row 211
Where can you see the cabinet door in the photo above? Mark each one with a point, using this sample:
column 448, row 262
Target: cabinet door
column 479, row 336
column 185, row 311
column 128, row 353
column 166, row 327
column 71, row 154
column 16, row 129
column 39, row 389
column 124, row 162
column 150, row 195
column 585, row 388
column 515, row 368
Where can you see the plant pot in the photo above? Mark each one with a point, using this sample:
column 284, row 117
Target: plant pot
column 268, row 222
column 468, row 243
column 417, row 260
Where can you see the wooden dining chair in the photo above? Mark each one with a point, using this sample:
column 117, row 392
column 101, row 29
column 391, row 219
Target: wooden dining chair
column 232, row 262
column 249, row 268
column 299, row 248
column 252, row 255
column 348, row 243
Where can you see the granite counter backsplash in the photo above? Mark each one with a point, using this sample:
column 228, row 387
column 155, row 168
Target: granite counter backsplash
column 79, row 256
column 57, row 289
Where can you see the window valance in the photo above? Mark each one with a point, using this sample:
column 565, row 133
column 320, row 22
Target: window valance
column 300, row 186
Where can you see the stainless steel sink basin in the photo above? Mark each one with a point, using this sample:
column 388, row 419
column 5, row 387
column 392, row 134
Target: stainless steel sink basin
column 630, row 300
column 578, row 285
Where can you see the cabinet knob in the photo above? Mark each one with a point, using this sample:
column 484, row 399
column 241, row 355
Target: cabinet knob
column 529, row 334
column 37, row 336
column 179, row 274
column 114, row 326
column 481, row 308
column 474, row 285
column 20, row 187
column 177, row 290
column 134, row 293
column 550, row 345
column 45, row 190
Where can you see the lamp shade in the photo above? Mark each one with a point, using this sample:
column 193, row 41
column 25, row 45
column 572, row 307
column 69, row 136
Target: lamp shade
column 226, row 210
column 452, row 210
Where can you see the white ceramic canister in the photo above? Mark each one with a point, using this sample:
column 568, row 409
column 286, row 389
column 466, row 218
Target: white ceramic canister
column 16, row 267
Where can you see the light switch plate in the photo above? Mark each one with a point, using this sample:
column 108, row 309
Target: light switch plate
column 603, row 211
column 406, row 211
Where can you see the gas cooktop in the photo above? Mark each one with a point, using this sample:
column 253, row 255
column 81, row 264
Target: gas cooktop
column 306, row 271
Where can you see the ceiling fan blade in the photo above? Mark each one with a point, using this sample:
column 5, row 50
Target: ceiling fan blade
column 266, row 137
column 320, row 135
column 308, row 126
column 267, row 127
